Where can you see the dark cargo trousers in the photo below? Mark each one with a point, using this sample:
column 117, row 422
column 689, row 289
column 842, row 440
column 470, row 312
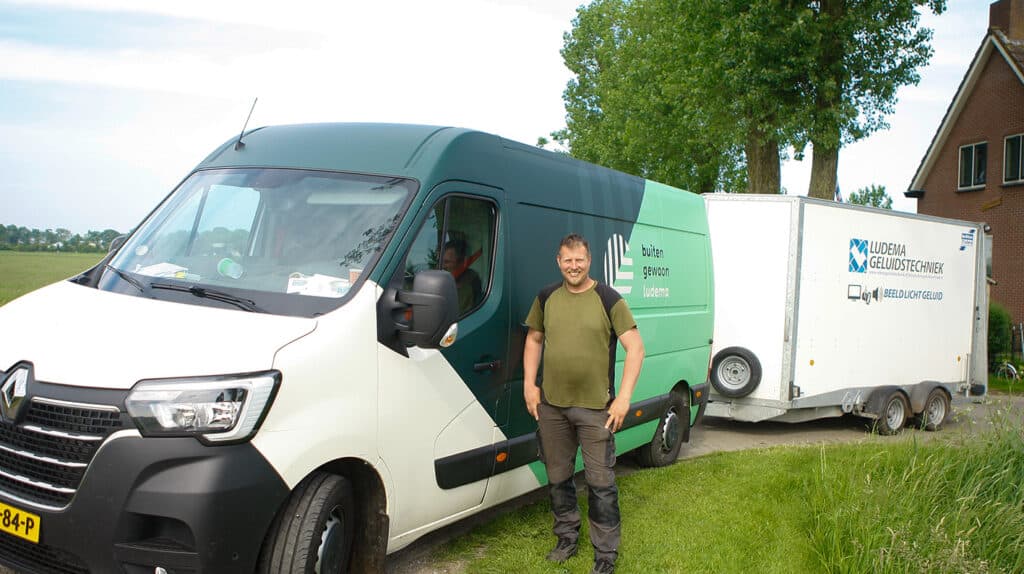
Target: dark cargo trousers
column 561, row 431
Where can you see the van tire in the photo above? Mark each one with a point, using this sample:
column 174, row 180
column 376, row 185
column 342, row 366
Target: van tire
column 893, row 415
column 314, row 531
column 663, row 449
column 936, row 410
column 735, row 372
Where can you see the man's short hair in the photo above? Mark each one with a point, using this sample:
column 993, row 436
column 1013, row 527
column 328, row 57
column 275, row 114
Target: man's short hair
column 459, row 246
column 574, row 240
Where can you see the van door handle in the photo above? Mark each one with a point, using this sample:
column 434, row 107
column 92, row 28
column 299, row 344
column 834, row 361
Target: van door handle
column 488, row 366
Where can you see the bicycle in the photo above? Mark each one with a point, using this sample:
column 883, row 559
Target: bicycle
column 1007, row 370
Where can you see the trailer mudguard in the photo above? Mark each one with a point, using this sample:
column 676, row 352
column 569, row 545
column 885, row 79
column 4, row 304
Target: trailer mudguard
column 876, row 401
column 918, row 394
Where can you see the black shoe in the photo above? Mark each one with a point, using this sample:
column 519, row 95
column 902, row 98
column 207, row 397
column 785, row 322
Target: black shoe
column 564, row 550
column 602, row 566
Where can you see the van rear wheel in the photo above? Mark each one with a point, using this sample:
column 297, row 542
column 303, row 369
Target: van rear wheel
column 663, row 449
column 314, row 532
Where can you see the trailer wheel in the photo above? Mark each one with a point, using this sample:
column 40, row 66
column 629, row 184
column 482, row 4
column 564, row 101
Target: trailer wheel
column 663, row 449
column 893, row 415
column 735, row 372
column 936, row 410
column 314, row 532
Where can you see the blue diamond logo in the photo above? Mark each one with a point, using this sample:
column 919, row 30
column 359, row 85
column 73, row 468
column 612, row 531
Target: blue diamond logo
column 858, row 255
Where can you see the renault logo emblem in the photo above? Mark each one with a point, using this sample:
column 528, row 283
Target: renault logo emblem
column 13, row 391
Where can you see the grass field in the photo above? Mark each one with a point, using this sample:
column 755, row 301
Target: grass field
column 22, row 271
column 950, row 506
column 1007, row 386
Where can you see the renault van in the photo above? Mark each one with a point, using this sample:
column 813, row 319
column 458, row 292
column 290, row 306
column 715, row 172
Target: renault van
column 309, row 354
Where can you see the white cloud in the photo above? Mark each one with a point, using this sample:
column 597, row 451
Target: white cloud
column 137, row 117
column 487, row 64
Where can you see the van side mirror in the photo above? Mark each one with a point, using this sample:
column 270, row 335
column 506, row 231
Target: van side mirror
column 116, row 243
column 434, row 302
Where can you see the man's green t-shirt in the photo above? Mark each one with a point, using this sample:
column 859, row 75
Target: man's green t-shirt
column 581, row 331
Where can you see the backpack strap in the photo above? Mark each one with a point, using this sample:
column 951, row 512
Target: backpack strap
column 543, row 294
column 609, row 297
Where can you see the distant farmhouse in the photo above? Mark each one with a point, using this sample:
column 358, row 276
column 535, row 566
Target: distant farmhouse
column 973, row 168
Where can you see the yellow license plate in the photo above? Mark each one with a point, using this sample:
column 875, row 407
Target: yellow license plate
column 19, row 523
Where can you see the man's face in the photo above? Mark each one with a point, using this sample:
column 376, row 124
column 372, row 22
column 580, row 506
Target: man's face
column 450, row 261
column 574, row 262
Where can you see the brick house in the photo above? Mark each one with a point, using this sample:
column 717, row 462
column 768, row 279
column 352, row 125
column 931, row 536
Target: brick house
column 973, row 169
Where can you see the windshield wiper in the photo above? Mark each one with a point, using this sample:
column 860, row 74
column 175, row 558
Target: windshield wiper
column 204, row 293
column 128, row 278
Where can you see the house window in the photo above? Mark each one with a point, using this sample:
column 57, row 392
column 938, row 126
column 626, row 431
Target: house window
column 972, row 165
column 1012, row 160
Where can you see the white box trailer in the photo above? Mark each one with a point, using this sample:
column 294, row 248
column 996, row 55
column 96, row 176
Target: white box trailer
column 826, row 308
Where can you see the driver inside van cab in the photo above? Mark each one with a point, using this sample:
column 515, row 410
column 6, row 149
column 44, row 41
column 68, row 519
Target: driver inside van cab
column 467, row 281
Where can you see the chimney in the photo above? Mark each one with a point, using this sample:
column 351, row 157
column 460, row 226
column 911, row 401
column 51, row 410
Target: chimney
column 1007, row 16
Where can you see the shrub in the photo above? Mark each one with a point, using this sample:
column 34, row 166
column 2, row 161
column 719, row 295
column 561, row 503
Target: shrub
column 1000, row 334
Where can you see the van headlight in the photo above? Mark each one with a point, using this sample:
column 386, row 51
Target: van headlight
column 213, row 409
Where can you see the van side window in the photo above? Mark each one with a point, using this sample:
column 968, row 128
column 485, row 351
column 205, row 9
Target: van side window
column 458, row 237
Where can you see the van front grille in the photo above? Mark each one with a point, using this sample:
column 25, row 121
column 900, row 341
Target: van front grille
column 43, row 459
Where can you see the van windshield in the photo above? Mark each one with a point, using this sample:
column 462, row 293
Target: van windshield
column 285, row 241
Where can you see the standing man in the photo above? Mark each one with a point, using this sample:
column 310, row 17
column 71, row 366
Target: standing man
column 576, row 323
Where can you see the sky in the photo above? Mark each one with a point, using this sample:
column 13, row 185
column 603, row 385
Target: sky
column 105, row 105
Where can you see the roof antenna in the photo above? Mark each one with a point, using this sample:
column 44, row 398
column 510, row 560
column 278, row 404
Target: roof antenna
column 240, row 144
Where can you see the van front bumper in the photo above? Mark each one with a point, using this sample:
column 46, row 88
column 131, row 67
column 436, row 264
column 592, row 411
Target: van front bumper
column 156, row 502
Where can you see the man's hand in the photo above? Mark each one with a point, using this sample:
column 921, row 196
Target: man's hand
column 617, row 413
column 531, row 393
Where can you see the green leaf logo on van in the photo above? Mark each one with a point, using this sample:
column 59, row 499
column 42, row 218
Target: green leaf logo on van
column 618, row 269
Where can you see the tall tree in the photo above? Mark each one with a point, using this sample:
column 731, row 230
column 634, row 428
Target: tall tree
column 704, row 95
column 865, row 50
column 632, row 104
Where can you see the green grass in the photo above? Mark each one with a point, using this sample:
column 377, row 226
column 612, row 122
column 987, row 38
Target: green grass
column 942, row 508
column 1008, row 386
column 697, row 516
column 21, row 271
column 888, row 506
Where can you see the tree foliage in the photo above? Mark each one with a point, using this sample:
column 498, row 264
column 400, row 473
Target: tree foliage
column 15, row 238
column 865, row 50
column 873, row 196
column 708, row 95
column 632, row 104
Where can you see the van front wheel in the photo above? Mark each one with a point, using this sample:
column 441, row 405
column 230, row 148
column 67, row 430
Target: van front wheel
column 664, row 448
column 314, row 532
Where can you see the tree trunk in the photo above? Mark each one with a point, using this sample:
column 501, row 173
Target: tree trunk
column 763, row 171
column 824, row 168
column 828, row 95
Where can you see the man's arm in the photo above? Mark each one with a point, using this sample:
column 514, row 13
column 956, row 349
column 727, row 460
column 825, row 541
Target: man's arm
column 634, row 345
column 531, row 362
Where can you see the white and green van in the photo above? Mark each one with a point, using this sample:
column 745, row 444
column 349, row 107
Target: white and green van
column 273, row 373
